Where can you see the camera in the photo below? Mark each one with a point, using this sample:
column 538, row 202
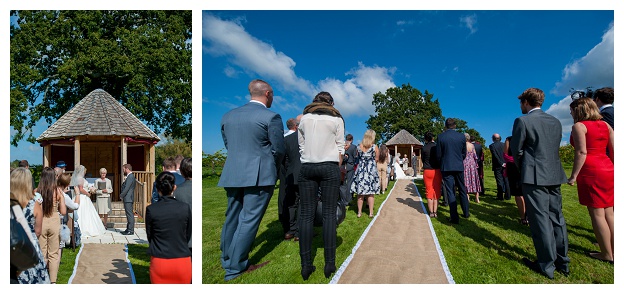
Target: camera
column 577, row 94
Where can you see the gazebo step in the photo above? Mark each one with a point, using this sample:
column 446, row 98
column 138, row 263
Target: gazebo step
column 122, row 225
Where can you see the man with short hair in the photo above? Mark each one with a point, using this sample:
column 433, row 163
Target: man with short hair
column 604, row 99
column 498, row 164
column 169, row 165
column 288, row 199
column 535, row 148
column 291, row 125
column 415, row 164
column 127, row 197
column 24, row 164
column 348, row 160
column 178, row 159
column 254, row 138
column 184, row 191
column 451, row 152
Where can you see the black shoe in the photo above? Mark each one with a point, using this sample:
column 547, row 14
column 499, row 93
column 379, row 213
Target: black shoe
column 329, row 269
column 466, row 216
column 306, row 271
column 443, row 204
column 127, row 233
column 535, row 267
column 456, row 221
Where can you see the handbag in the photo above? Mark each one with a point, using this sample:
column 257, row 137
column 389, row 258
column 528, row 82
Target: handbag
column 23, row 252
column 65, row 234
column 343, row 173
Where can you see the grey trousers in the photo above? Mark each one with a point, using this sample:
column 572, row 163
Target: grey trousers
column 129, row 216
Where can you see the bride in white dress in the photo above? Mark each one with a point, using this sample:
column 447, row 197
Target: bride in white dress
column 398, row 171
column 88, row 218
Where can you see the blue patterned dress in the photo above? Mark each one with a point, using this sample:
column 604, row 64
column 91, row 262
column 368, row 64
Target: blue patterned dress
column 39, row 273
column 366, row 178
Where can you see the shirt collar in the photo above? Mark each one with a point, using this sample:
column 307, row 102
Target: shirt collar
column 605, row 106
column 536, row 108
column 256, row 101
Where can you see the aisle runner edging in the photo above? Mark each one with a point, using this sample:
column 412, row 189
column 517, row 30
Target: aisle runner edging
column 449, row 277
column 130, row 265
column 71, row 278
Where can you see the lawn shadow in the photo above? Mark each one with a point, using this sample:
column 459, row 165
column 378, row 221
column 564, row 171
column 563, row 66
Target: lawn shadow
column 270, row 238
column 120, row 269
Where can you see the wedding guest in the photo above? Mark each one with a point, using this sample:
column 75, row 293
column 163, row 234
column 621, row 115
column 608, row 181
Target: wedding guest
column 103, row 201
column 24, row 163
column 168, row 228
column 184, row 190
column 471, row 170
column 604, row 100
column 498, row 164
column 321, row 144
column 348, row 160
column 366, row 179
column 169, row 165
column 432, row 176
column 593, row 171
column 382, row 167
column 535, row 144
column 53, row 204
column 512, row 174
column 22, row 191
column 479, row 151
column 450, row 152
column 288, row 199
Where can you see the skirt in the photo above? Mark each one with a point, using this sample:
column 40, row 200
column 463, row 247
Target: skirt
column 101, row 204
column 170, row 270
column 433, row 183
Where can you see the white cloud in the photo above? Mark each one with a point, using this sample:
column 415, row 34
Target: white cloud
column 352, row 96
column 229, row 38
column 230, row 72
column 355, row 95
column 470, row 22
column 595, row 69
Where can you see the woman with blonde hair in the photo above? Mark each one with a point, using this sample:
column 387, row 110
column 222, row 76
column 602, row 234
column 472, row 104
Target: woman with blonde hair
column 53, row 204
column 593, row 171
column 22, row 192
column 103, row 195
column 366, row 179
column 88, row 219
column 382, row 167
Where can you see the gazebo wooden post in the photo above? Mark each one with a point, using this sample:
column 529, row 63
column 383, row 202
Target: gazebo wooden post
column 76, row 153
column 47, row 156
column 124, row 157
column 410, row 156
column 395, row 150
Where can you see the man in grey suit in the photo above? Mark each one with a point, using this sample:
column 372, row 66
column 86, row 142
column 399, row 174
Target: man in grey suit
column 451, row 152
column 254, row 138
column 184, row 191
column 127, row 196
column 535, row 148
column 498, row 164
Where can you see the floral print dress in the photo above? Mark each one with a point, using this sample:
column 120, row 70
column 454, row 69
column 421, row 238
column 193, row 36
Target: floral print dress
column 39, row 273
column 366, row 178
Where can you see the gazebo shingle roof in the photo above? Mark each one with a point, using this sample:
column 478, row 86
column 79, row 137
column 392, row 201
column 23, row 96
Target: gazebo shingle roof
column 403, row 137
column 98, row 114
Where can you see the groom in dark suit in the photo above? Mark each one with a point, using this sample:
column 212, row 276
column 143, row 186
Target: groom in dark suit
column 254, row 138
column 127, row 196
column 535, row 148
column 450, row 152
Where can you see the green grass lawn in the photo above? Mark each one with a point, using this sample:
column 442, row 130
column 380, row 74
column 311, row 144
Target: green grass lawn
column 487, row 248
column 285, row 265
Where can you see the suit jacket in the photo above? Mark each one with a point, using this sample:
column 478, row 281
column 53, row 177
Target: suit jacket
column 607, row 115
column 290, row 167
column 127, row 189
column 451, row 150
column 254, row 138
column 168, row 227
column 539, row 163
column 497, row 149
column 184, row 194
column 179, row 179
column 479, row 151
column 349, row 157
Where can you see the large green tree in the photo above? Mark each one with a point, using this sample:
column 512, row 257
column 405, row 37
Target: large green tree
column 142, row 58
column 406, row 108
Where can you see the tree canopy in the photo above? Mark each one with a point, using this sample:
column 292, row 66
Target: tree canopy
column 406, row 108
column 142, row 58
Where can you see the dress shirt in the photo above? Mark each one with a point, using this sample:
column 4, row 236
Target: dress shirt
column 321, row 138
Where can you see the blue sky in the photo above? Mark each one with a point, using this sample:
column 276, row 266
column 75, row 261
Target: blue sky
column 475, row 63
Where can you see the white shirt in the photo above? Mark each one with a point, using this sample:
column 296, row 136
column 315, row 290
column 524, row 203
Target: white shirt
column 288, row 133
column 256, row 101
column 533, row 109
column 605, row 106
column 69, row 203
column 321, row 138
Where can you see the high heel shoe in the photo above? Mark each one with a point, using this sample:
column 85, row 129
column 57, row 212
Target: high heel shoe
column 329, row 269
column 306, row 271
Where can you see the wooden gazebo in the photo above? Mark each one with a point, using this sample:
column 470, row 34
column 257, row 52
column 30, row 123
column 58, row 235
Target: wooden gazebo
column 100, row 132
column 404, row 142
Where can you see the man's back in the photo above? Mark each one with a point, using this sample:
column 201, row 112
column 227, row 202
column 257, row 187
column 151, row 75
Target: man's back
column 253, row 137
column 535, row 147
column 607, row 115
column 451, row 150
column 496, row 149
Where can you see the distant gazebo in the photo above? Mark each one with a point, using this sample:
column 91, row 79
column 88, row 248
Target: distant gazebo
column 100, row 132
column 404, row 142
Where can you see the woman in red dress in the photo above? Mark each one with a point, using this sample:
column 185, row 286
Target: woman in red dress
column 593, row 171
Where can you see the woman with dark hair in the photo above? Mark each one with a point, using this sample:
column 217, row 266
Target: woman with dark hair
column 168, row 227
column 321, row 144
column 593, row 171
column 53, row 204
column 22, row 193
column 432, row 176
column 382, row 167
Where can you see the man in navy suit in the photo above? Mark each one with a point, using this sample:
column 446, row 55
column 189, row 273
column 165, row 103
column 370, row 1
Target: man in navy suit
column 127, row 196
column 289, row 187
column 348, row 160
column 254, row 138
column 604, row 99
column 498, row 164
column 451, row 151
column 535, row 148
